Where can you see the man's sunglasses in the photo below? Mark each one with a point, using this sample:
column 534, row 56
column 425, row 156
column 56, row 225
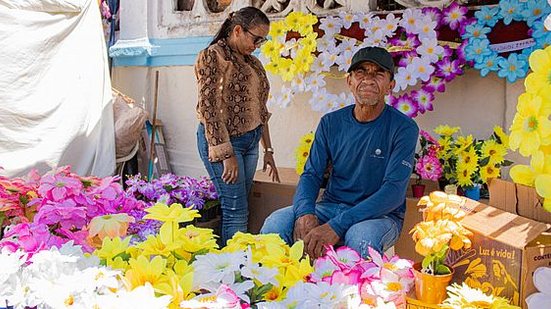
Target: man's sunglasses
column 257, row 40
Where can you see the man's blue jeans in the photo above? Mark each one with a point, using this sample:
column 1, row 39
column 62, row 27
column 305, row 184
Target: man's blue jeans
column 233, row 197
column 379, row 234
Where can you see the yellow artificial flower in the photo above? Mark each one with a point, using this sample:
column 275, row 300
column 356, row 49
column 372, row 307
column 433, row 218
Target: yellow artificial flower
column 446, row 130
column 464, row 174
column 503, row 137
column 464, row 142
column 531, row 126
column 489, row 171
column 174, row 213
column 277, row 29
column 288, row 69
column 118, row 263
column 142, row 270
column 261, row 244
column 539, row 82
column 272, row 49
column 112, row 247
column 153, row 245
column 177, row 286
column 494, row 150
column 537, row 175
column 468, row 159
column 307, row 138
column 274, row 66
column 193, row 239
column 294, row 20
column 439, row 205
column 111, row 226
column 274, row 294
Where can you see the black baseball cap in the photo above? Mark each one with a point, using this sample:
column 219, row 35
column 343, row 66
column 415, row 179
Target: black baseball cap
column 377, row 55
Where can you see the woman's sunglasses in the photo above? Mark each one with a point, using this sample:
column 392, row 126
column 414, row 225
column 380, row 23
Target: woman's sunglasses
column 257, row 40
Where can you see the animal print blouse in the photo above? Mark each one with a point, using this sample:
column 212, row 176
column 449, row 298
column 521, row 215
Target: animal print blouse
column 233, row 90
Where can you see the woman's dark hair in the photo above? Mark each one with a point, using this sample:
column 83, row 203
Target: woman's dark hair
column 246, row 17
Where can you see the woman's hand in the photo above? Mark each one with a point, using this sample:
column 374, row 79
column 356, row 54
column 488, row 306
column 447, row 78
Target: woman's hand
column 231, row 170
column 269, row 164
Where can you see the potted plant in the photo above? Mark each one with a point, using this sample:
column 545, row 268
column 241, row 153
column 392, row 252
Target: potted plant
column 467, row 162
column 440, row 231
column 427, row 165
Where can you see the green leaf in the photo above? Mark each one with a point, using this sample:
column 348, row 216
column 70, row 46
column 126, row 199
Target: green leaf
column 442, row 269
column 427, row 261
column 263, row 289
column 484, row 162
column 507, row 163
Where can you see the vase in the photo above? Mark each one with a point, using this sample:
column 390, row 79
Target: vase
column 473, row 192
column 430, row 289
column 418, row 190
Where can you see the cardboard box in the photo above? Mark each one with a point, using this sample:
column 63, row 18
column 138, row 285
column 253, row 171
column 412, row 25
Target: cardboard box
column 518, row 199
column 267, row 196
column 506, row 250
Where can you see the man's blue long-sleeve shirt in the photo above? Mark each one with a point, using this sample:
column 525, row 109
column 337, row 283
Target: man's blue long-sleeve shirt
column 372, row 163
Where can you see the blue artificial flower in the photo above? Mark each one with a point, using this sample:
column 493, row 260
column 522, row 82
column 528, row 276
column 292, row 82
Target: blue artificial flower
column 476, row 31
column 534, row 10
column 514, row 67
column 538, row 29
column 511, row 10
column 487, row 16
column 488, row 65
column 477, row 50
column 542, row 42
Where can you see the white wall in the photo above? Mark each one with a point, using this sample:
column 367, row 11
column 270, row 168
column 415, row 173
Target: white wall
column 476, row 104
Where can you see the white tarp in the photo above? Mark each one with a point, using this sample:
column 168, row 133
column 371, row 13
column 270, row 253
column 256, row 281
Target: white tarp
column 55, row 91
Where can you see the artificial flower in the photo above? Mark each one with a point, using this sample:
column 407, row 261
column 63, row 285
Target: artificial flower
column 463, row 296
column 542, row 282
column 171, row 213
column 512, row 68
column 454, row 15
column 511, row 10
column 531, row 126
column 487, row 15
column 446, row 130
column 110, row 226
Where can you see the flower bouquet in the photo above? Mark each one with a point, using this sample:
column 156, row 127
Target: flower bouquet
column 427, row 165
column 468, row 162
column 440, row 231
column 199, row 193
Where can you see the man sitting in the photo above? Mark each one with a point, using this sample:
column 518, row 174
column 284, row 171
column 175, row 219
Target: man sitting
column 371, row 147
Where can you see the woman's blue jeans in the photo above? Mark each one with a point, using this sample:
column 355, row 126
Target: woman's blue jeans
column 379, row 233
column 233, row 197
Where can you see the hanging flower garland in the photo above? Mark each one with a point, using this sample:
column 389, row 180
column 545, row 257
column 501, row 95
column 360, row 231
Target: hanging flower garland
column 412, row 38
column 287, row 58
column 486, row 56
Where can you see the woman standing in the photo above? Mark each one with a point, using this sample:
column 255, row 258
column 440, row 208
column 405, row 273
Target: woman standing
column 233, row 90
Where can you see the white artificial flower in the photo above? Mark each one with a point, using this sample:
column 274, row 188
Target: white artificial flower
column 376, row 38
column 404, row 77
column 314, row 82
column 347, row 19
column 542, row 282
column 325, row 44
column 328, row 59
column 217, row 268
column 389, row 25
column 411, row 20
column 140, row 297
column 364, row 19
column 430, row 50
column 344, row 60
column 241, row 288
column 11, row 264
column 298, row 83
column 253, row 270
column 422, row 69
column 284, row 98
column 318, row 65
column 320, row 101
column 342, row 100
column 427, row 29
column 348, row 44
column 331, row 25
column 547, row 22
column 325, row 295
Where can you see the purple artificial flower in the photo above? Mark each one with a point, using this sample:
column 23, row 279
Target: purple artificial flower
column 424, row 99
column 407, row 58
column 454, row 15
column 448, row 52
column 407, row 106
column 435, row 15
column 435, row 84
column 141, row 228
column 448, row 69
column 460, row 52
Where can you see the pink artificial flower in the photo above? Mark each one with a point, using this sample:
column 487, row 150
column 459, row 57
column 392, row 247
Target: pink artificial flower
column 324, row 267
column 347, row 276
column 57, row 187
column 227, row 296
column 428, row 137
column 435, row 84
column 392, row 287
column 402, row 267
column 434, row 13
column 424, row 99
column 345, row 257
column 429, row 167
